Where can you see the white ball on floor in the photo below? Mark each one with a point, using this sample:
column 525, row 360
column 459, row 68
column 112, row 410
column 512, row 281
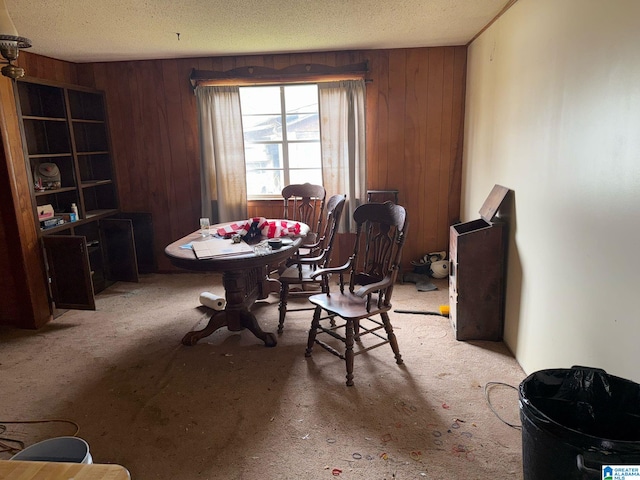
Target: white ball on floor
column 440, row 269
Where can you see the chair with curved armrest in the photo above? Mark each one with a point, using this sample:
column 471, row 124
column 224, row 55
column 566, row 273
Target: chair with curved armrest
column 366, row 283
column 300, row 268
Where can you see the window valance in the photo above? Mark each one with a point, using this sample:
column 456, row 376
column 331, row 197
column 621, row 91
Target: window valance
column 310, row 72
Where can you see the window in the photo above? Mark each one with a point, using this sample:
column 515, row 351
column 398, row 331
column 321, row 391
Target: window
column 276, row 156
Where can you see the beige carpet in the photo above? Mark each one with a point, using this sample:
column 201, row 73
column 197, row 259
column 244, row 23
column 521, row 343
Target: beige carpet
column 230, row 408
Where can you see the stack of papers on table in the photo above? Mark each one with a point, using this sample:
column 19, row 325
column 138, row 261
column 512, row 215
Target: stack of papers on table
column 219, row 247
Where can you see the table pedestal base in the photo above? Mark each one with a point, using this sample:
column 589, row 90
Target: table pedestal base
column 242, row 289
column 220, row 319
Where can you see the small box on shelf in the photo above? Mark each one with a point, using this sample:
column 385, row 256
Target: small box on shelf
column 69, row 217
column 52, row 222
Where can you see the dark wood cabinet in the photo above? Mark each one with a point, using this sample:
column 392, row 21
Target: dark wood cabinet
column 477, row 252
column 65, row 131
column 69, row 271
column 66, row 126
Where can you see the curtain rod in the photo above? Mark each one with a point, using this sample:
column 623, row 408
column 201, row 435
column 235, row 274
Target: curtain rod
column 302, row 72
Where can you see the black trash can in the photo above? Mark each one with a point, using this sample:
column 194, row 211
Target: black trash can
column 577, row 421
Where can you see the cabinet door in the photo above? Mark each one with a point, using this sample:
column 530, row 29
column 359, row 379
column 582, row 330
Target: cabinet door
column 143, row 235
column 69, row 271
column 118, row 247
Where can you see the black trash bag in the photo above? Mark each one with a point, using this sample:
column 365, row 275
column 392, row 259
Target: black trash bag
column 587, row 400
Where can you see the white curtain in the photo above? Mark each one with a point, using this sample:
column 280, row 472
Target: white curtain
column 342, row 127
column 223, row 174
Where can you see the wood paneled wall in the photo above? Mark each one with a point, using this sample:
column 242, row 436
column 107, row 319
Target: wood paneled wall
column 415, row 115
column 48, row 68
column 415, row 112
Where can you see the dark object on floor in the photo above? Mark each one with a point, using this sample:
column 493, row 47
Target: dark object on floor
column 422, row 281
column 432, row 264
column 577, row 421
column 444, row 311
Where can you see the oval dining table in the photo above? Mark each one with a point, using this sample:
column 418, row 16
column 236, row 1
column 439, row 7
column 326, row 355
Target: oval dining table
column 245, row 277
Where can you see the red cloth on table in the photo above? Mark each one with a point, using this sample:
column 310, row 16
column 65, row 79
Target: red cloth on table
column 269, row 229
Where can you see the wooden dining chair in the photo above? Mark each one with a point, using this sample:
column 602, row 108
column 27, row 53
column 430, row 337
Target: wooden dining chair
column 305, row 203
column 300, row 268
column 366, row 283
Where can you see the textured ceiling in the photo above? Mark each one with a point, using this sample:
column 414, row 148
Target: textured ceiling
column 111, row 30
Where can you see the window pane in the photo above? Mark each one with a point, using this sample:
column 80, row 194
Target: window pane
column 261, row 128
column 303, row 127
column 302, row 176
column 264, row 164
column 265, row 182
column 273, row 159
column 301, row 98
column 256, row 100
column 304, row 155
column 260, row 156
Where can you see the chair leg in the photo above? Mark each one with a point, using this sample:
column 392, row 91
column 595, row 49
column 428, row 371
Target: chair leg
column 348, row 354
column 315, row 323
column 282, row 307
column 356, row 330
column 392, row 337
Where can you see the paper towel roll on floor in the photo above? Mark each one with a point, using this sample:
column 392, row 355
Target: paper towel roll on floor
column 212, row 300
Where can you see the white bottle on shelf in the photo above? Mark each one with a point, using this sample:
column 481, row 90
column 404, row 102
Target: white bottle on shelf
column 74, row 212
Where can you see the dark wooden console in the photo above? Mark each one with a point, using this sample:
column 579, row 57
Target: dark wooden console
column 477, row 250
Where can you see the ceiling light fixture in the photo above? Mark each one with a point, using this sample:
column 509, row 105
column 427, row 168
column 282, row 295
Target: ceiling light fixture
column 10, row 44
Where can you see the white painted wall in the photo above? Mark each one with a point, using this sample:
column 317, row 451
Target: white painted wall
column 553, row 112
